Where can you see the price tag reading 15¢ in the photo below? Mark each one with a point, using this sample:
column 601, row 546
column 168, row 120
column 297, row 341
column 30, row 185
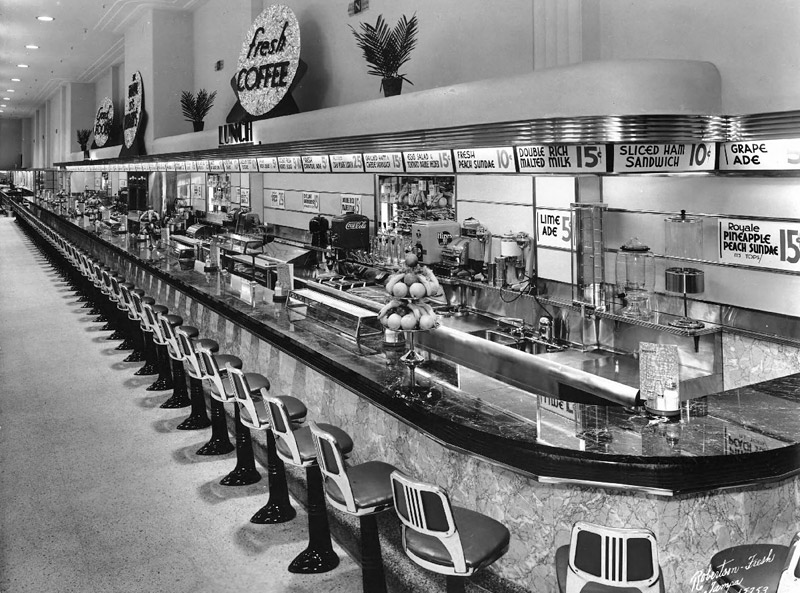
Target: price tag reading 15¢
column 553, row 228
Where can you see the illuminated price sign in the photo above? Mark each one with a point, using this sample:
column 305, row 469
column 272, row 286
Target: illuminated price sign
column 632, row 158
column 562, row 158
column 553, row 228
column 290, row 164
column 190, row 165
column 762, row 244
column 346, row 163
column 216, row 166
column 248, row 165
column 171, row 166
column 310, row 201
column 161, row 166
column 485, row 160
column 231, row 165
column 429, row 161
column 764, row 155
column 317, row 163
column 203, row 166
column 267, row 164
column 278, row 199
column 384, row 162
column 180, row 165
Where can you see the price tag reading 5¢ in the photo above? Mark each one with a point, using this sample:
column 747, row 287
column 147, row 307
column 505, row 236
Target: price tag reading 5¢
column 553, row 228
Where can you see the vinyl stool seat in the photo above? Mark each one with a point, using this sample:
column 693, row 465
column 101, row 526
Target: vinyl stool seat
column 219, row 443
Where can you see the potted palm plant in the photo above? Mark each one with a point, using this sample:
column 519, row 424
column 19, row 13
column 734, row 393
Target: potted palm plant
column 387, row 50
column 83, row 140
column 196, row 107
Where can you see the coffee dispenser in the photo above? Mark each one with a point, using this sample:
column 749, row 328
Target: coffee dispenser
column 684, row 247
column 635, row 277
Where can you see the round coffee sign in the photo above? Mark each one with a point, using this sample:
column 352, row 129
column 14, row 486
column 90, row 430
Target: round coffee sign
column 133, row 109
column 269, row 59
column 103, row 122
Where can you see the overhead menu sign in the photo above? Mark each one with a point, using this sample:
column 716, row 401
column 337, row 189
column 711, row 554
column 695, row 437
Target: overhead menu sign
column 278, row 199
column 231, row 165
column 248, row 165
column 666, row 158
column 760, row 243
column 383, row 162
column 161, row 166
column 191, row 165
column 428, row 161
column 267, row 164
column 170, row 165
column 310, row 201
column 317, row 163
column 180, row 165
column 290, row 164
column 485, row 160
column 216, row 166
column 762, row 155
column 553, row 228
column 562, row 158
column 347, row 163
column 203, row 166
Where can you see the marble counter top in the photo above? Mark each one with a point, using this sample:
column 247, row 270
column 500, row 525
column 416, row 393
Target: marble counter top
column 742, row 436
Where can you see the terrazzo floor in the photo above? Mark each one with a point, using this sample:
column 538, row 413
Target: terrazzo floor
column 98, row 491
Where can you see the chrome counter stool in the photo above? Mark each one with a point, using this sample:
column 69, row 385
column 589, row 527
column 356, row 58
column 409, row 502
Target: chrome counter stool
column 198, row 418
column 295, row 446
column 180, row 395
column 215, row 366
column 362, row 490
column 164, row 381
column 148, row 347
column 219, row 443
column 442, row 538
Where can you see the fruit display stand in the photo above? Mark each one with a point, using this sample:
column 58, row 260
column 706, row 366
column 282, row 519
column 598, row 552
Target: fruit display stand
column 408, row 311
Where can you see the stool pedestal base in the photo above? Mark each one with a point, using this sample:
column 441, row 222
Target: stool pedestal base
column 219, row 444
column 164, row 381
column 245, row 471
column 372, row 577
column 319, row 555
column 179, row 398
column 150, row 367
column 279, row 508
column 198, row 418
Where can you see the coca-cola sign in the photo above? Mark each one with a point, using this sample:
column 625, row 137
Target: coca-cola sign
column 356, row 225
column 268, row 60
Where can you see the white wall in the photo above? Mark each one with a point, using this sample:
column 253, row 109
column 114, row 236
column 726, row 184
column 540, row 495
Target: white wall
column 755, row 45
column 172, row 71
column 11, row 133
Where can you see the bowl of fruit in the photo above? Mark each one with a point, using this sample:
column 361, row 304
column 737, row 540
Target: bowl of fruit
column 408, row 288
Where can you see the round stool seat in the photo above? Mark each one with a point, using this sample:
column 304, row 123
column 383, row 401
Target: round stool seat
column 174, row 320
column 146, row 300
column 128, row 285
column 484, row 540
column 369, row 483
column 191, row 332
column 210, row 345
column 160, row 310
column 224, row 360
column 305, row 443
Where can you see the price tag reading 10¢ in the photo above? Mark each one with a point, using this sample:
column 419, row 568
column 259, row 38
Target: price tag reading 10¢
column 553, row 228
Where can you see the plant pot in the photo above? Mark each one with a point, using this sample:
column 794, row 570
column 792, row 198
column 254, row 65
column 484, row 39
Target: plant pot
column 198, row 126
column 392, row 86
column 85, row 153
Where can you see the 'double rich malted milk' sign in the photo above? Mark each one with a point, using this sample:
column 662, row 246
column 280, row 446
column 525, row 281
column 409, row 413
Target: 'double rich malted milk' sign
column 269, row 60
column 133, row 109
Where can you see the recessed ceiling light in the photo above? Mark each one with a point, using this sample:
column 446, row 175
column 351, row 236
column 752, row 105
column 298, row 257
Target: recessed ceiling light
column 46, row 19
column 22, row 65
column 3, row 105
column 31, row 46
column 15, row 80
column 9, row 90
column 1, row 111
column 6, row 98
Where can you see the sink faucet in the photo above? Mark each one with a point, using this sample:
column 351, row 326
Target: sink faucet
column 546, row 329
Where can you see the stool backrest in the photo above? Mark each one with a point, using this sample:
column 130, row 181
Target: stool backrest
column 617, row 557
column 189, row 354
column 115, row 291
column 138, row 310
column 165, row 327
column 211, row 372
column 281, row 426
column 98, row 275
column 126, row 301
column 150, row 322
column 331, row 464
column 790, row 577
column 426, row 508
column 105, row 286
column 247, row 406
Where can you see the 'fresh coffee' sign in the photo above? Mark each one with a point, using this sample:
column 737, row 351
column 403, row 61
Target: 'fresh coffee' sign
column 268, row 60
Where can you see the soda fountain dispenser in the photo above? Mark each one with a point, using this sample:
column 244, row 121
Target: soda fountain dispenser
column 684, row 247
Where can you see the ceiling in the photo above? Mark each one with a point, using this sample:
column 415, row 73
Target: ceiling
column 84, row 40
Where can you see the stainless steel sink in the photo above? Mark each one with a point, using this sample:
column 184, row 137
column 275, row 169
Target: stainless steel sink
column 497, row 337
